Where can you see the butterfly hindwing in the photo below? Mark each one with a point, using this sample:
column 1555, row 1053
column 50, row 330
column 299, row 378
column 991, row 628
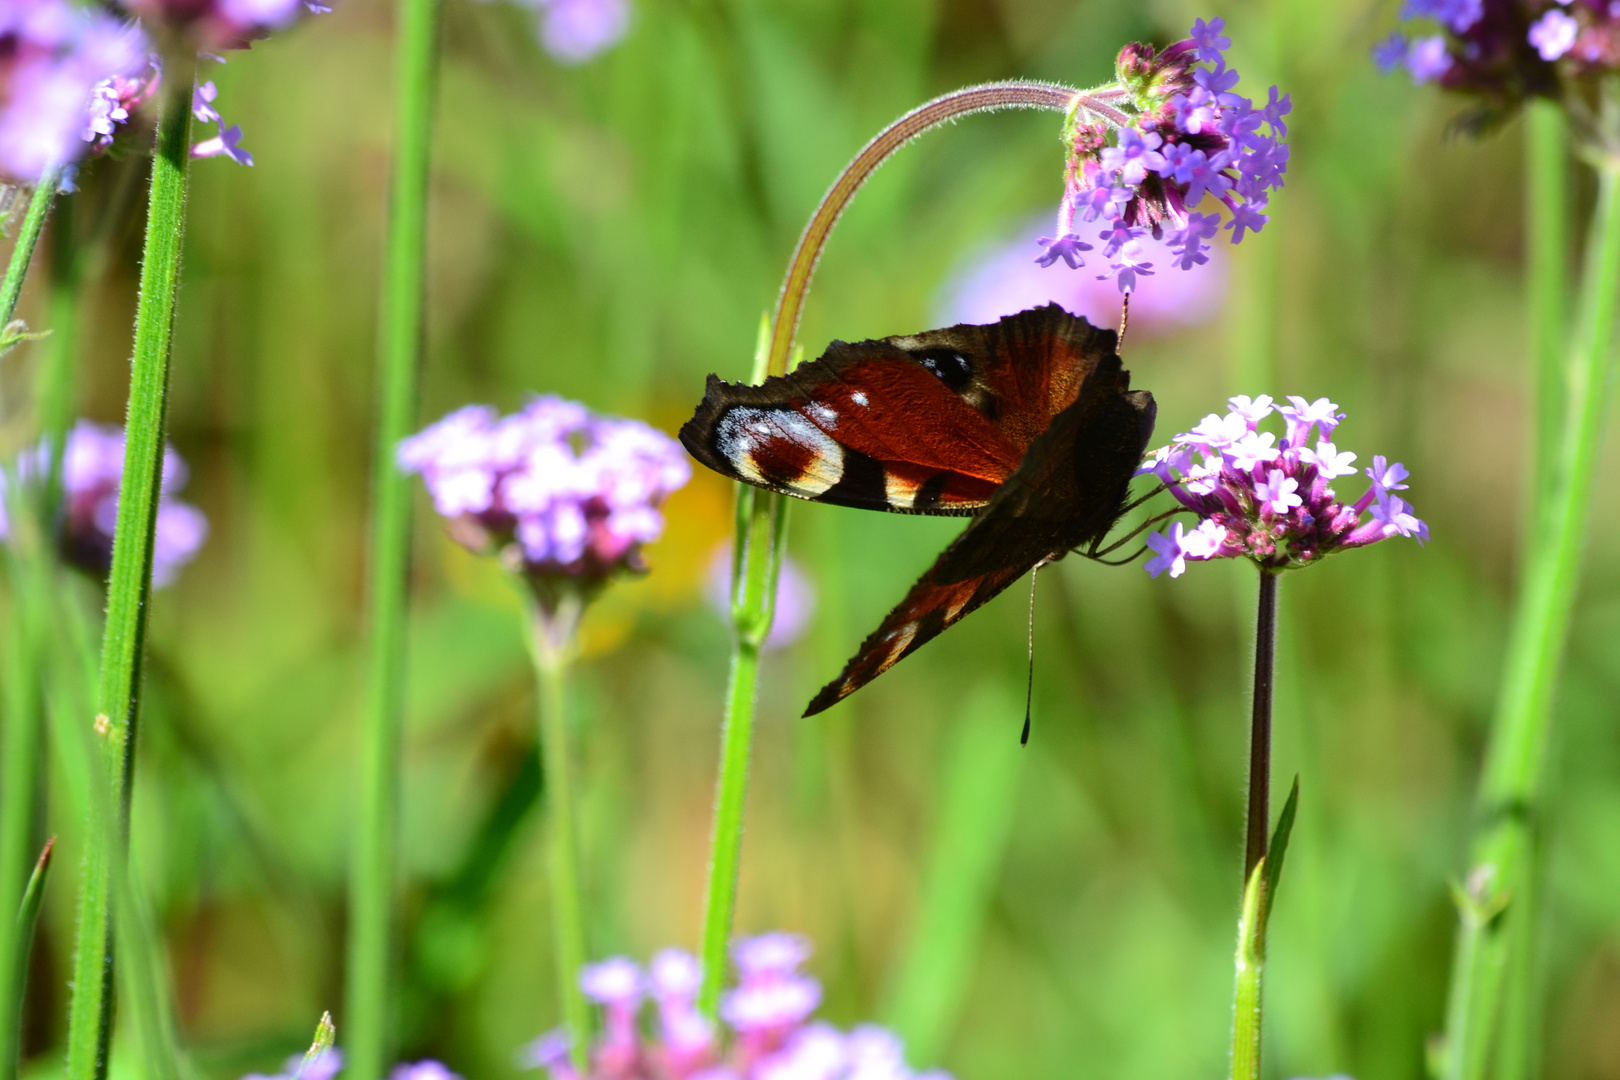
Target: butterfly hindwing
column 1067, row 491
column 927, row 423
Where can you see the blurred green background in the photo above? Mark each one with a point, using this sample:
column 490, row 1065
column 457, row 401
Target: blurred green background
column 612, row 233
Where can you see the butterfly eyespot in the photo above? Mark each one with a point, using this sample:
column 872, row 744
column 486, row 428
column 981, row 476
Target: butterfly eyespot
column 779, row 448
column 947, row 365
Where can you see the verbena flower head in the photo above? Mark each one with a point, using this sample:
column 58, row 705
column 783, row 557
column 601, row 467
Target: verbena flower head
column 223, row 24
column 1169, row 132
column 92, row 468
column 1272, row 501
column 766, row 1032
column 1003, row 281
column 329, row 1063
column 574, row 31
column 563, row 495
column 53, row 57
column 1502, row 52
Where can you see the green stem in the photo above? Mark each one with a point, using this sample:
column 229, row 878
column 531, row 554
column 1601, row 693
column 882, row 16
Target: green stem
column 1546, row 284
column 1547, row 288
column 1510, row 793
column 553, row 628
column 39, row 208
column 762, row 518
column 129, row 584
column 367, row 1027
column 20, row 760
column 1251, row 966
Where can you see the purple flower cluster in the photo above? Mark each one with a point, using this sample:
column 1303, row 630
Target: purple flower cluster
column 558, row 491
column 92, row 467
column 328, row 1064
column 224, row 24
column 1004, row 282
column 1504, row 51
column 574, row 31
column 767, row 1031
column 1146, row 150
column 54, row 59
column 1269, row 501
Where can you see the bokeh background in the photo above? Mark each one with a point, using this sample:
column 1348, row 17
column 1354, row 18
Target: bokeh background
column 612, row 232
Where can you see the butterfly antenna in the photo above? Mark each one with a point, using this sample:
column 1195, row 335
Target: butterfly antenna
column 1029, row 687
column 1124, row 321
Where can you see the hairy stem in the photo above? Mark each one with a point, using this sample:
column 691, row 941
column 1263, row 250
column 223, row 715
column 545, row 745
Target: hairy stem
column 1511, row 790
column 1265, row 665
column 374, row 872
column 39, row 208
column 129, row 585
column 762, row 518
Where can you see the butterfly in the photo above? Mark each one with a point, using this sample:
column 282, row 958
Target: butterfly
column 1028, row 425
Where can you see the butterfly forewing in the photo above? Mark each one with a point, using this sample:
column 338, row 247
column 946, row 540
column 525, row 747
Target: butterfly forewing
column 1067, row 491
column 925, row 423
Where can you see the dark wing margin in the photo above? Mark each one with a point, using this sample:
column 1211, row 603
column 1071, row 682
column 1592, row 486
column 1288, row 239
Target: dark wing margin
column 929, row 423
column 1068, row 490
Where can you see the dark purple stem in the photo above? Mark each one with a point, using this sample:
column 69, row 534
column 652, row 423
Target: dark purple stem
column 1265, row 664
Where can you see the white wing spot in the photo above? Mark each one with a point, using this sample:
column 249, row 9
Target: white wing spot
column 858, row 398
column 822, row 415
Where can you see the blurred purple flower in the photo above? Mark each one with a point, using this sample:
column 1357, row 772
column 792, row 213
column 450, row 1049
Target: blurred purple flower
column 795, row 597
column 559, row 492
column 53, row 56
column 227, row 143
column 767, row 1016
column 1553, row 34
column 220, row 24
column 1003, row 281
column 574, row 31
column 92, row 467
column 1270, row 502
column 422, row 1070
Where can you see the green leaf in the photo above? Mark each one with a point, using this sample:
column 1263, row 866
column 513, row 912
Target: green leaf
column 325, row 1036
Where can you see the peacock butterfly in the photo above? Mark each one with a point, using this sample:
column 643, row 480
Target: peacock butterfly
column 1028, row 425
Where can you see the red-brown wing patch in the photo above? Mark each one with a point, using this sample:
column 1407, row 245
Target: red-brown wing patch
column 931, row 423
column 928, row 609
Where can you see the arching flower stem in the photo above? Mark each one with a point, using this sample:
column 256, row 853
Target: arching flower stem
column 22, row 252
column 762, row 518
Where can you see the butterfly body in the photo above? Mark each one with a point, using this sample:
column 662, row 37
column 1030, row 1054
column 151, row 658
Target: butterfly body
column 1028, row 425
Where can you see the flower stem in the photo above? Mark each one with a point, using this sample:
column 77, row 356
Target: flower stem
column 1547, row 285
column 129, row 585
column 39, row 208
column 552, row 642
column 1510, row 793
column 762, row 518
column 985, row 98
column 373, row 875
column 1265, row 667
column 1247, row 988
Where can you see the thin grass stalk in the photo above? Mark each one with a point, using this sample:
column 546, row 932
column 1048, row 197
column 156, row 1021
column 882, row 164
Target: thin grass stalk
column 27, row 919
column 552, row 635
column 1547, row 287
column 367, row 1027
column 130, row 582
column 1511, row 790
column 21, row 742
column 761, row 520
column 22, row 253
